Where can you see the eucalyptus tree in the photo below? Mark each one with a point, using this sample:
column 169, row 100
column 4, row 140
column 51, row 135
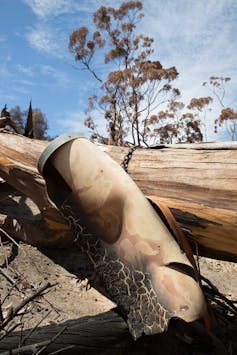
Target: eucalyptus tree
column 133, row 85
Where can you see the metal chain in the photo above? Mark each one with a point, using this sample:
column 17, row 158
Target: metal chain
column 127, row 158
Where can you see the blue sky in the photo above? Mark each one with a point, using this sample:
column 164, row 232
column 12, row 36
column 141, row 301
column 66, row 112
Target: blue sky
column 199, row 37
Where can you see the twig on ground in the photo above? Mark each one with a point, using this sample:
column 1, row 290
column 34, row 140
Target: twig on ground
column 52, row 306
column 21, row 330
column 9, row 278
column 5, row 256
column 16, row 310
column 33, row 348
column 35, row 327
column 63, row 349
column 217, row 294
column 10, row 290
column 1, row 313
column 51, row 341
column 7, row 332
column 12, row 239
column 13, row 253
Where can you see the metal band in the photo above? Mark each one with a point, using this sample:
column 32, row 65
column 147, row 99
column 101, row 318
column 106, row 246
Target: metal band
column 53, row 146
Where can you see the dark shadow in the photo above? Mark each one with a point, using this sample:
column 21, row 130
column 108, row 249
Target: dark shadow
column 13, row 254
column 106, row 333
column 77, row 263
column 13, row 204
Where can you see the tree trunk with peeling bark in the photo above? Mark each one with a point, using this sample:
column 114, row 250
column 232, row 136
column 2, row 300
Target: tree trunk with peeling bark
column 198, row 182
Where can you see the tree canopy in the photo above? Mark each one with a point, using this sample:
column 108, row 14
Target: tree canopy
column 227, row 116
column 136, row 93
column 31, row 123
column 134, row 85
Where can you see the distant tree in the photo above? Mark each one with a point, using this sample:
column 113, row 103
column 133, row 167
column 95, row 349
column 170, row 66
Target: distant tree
column 200, row 106
column 133, row 85
column 31, row 123
column 40, row 125
column 227, row 116
column 174, row 125
column 17, row 117
column 29, row 126
column 7, row 122
column 190, row 128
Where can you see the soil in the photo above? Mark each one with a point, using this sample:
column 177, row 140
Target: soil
column 72, row 296
column 34, row 268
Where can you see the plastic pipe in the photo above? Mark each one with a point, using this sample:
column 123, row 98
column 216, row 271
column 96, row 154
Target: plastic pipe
column 130, row 247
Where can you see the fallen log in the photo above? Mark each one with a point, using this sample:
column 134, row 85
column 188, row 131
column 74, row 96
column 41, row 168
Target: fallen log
column 104, row 333
column 18, row 167
column 197, row 181
column 97, row 333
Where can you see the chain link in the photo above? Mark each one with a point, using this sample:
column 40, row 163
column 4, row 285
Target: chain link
column 127, row 158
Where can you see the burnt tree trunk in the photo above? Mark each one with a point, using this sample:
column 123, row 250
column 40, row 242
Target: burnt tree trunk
column 105, row 333
column 197, row 181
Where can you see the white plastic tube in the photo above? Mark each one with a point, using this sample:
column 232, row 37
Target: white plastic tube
column 134, row 248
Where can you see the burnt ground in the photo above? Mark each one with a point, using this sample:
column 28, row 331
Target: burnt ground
column 27, row 268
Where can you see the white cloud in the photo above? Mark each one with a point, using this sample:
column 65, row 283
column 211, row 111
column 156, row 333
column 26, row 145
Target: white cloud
column 73, row 121
column 22, row 89
column 43, row 40
column 56, row 20
column 3, row 38
column 59, row 77
column 5, row 72
column 27, row 70
column 49, row 8
column 47, row 69
column 198, row 37
column 70, row 121
column 6, row 98
column 45, row 8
